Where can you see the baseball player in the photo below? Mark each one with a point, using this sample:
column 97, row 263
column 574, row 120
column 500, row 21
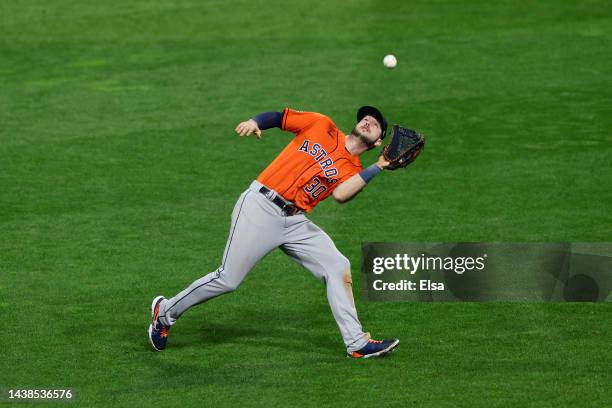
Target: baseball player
column 318, row 162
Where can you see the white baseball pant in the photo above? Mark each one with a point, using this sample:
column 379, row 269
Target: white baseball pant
column 258, row 226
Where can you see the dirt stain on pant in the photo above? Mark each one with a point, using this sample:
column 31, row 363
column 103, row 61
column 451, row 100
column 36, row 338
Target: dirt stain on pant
column 348, row 285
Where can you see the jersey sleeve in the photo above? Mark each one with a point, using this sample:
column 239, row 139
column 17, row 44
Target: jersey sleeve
column 295, row 121
column 348, row 170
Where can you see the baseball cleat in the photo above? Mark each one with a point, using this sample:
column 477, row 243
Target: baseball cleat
column 158, row 332
column 375, row 348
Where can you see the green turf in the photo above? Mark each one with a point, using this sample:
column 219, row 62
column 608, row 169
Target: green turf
column 119, row 169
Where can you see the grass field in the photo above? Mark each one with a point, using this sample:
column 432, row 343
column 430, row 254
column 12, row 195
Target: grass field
column 119, row 169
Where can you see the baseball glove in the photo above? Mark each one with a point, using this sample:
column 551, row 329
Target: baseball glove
column 405, row 146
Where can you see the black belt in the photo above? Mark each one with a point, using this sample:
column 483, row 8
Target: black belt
column 287, row 208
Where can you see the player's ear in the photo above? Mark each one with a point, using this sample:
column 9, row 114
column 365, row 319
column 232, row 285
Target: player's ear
column 378, row 142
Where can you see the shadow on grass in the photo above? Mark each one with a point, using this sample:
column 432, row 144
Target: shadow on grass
column 267, row 328
column 245, row 346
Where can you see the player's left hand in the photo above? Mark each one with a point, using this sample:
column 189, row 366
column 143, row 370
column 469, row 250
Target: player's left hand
column 247, row 128
column 382, row 163
column 404, row 147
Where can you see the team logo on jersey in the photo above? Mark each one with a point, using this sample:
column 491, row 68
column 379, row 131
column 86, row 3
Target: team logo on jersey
column 321, row 157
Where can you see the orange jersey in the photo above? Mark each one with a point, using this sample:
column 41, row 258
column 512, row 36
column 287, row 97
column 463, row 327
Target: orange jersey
column 313, row 164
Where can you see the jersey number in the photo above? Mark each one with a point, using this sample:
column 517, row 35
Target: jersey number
column 315, row 189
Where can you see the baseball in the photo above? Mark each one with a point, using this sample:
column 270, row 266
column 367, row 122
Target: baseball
column 390, row 61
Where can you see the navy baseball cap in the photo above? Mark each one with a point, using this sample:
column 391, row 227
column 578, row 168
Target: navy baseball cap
column 375, row 113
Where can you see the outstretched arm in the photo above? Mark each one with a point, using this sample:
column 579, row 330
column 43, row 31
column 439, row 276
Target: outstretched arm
column 353, row 186
column 260, row 122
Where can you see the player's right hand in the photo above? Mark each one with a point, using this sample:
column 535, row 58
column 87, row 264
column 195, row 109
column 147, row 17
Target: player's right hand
column 247, row 128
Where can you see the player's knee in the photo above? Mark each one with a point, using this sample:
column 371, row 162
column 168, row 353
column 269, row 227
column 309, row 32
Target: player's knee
column 231, row 286
column 341, row 267
column 345, row 265
column 228, row 284
column 227, row 280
